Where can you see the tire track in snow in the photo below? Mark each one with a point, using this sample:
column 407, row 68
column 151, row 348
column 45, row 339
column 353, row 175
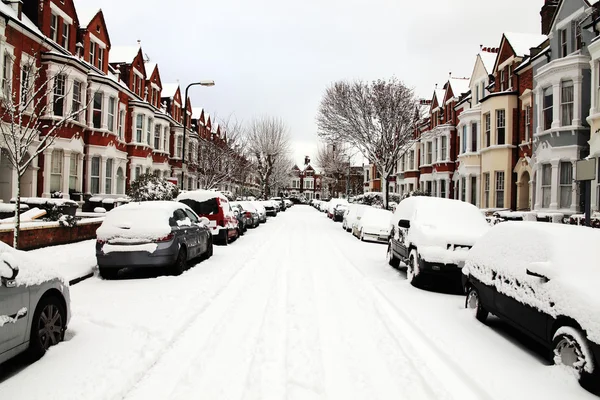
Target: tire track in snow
column 436, row 362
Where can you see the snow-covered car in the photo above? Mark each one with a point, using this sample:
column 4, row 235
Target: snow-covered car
column 543, row 279
column 35, row 305
column 374, row 226
column 356, row 217
column 271, row 207
column 280, row 202
column 339, row 211
column 350, row 216
column 251, row 212
column 432, row 235
column 214, row 206
column 260, row 208
column 333, row 203
column 288, row 203
column 151, row 234
column 323, row 206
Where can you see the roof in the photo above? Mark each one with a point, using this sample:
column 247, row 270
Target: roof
column 123, row 54
column 169, row 89
column 522, row 42
column 197, row 112
column 85, row 14
column 488, row 59
column 459, row 86
column 150, row 66
column 440, row 94
column 7, row 9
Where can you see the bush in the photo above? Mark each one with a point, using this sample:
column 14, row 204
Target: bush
column 415, row 193
column 149, row 187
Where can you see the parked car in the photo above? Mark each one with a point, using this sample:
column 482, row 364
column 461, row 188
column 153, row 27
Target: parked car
column 243, row 220
column 432, row 235
column 339, row 211
column 251, row 213
column 35, row 305
column 214, row 206
column 262, row 211
column 354, row 211
column 270, row 207
column 333, row 203
column 542, row 279
column 356, row 219
column 323, row 206
column 151, row 234
column 279, row 201
column 374, row 226
column 288, row 203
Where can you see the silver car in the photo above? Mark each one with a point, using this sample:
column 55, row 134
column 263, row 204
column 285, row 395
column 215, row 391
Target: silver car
column 34, row 305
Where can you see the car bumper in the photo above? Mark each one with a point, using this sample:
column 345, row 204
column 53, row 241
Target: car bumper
column 160, row 258
column 376, row 237
column 441, row 269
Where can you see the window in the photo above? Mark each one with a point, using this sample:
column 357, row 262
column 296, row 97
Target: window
column 502, row 80
column 109, row 174
column 100, row 58
column 157, row 129
column 149, row 132
column 54, row 28
column 566, row 184
column 463, row 140
column 500, row 189
column 463, row 189
column 527, row 123
column 112, row 103
column 444, row 147
column 578, row 41
column 95, row 175
column 166, row 139
column 65, row 36
column 443, row 189
column 56, row 171
column 547, row 109
column 474, row 136
column 486, row 190
column 428, row 154
column 428, row 186
column 476, row 92
column 411, row 159
column 566, row 103
column 563, row 42
column 546, row 185
column 25, row 84
column 178, row 149
column 59, row 94
column 500, row 126
column 73, row 176
column 92, row 53
column 474, row 190
column 139, row 127
column 76, row 103
column 6, row 74
column 434, row 189
column 487, row 129
column 137, row 172
column 97, row 110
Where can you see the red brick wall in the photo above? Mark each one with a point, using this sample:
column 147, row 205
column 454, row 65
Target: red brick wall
column 50, row 236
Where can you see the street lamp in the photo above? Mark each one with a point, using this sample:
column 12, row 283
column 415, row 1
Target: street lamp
column 200, row 83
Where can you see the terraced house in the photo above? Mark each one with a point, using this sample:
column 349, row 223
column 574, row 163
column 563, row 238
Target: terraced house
column 133, row 123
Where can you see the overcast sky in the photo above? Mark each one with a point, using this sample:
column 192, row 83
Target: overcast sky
column 274, row 57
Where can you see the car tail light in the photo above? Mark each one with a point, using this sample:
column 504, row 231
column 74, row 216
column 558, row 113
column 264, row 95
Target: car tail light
column 248, row 214
column 100, row 241
column 167, row 238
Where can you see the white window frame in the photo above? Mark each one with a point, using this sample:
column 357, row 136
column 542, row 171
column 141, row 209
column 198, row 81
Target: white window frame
column 139, row 127
column 54, row 27
column 500, row 187
column 121, row 124
column 546, row 185
column 500, row 126
column 565, row 187
column 567, row 105
column 95, row 109
column 110, row 113
column 56, row 170
column 65, row 35
column 108, row 179
column 95, row 176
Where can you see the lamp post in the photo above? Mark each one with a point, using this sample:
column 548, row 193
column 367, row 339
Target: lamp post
column 201, row 83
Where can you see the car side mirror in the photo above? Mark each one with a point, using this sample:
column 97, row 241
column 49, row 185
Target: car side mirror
column 404, row 223
column 8, row 273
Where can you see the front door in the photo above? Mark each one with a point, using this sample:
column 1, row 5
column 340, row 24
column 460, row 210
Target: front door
column 14, row 314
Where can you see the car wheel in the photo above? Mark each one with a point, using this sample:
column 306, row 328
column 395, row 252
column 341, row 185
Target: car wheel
column 47, row 326
column 108, row 273
column 571, row 349
column 413, row 273
column 180, row 263
column 392, row 260
column 473, row 302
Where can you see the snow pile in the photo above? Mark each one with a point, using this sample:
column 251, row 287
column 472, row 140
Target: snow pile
column 138, row 221
column 567, row 255
column 356, row 211
column 32, row 270
column 8, row 208
column 44, row 200
column 201, row 195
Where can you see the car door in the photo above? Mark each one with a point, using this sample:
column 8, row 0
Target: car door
column 195, row 233
column 181, row 229
column 14, row 315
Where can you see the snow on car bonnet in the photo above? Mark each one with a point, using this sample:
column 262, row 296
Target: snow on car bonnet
column 147, row 220
column 201, row 195
column 376, row 217
column 32, row 270
column 567, row 255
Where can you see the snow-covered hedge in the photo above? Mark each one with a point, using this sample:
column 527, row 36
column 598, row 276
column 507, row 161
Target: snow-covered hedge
column 149, row 187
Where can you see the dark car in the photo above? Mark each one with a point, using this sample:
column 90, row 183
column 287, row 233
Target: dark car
column 270, row 207
column 542, row 279
column 339, row 211
column 281, row 202
column 151, row 234
column 252, row 214
column 242, row 218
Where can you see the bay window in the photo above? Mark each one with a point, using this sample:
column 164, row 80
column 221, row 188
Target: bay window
column 76, row 103
column 149, row 132
column 73, row 175
column 444, row 148
column 463, row 189
column 463, row 140
column 500, row 189
column 488, row 124
column 428, row 159
column 443, row 189
column 166, row 139
column 179, row 146
column 486, row 190
column 474, row 136
column 157, row 129
column 25, row 83
column 474, row 190
column 121, row 124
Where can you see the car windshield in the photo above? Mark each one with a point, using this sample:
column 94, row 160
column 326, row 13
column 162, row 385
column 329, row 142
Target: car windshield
column 208, row 207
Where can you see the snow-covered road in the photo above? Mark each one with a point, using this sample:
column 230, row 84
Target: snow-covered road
column 297, row 309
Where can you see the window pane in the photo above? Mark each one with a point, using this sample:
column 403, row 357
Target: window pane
column 97, row 111
column 548, row 108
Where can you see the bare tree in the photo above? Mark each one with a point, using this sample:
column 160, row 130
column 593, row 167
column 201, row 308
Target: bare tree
column 334, row 162
column 26, row 129
column 268, row 144
column 280, row 178
column 378, row 118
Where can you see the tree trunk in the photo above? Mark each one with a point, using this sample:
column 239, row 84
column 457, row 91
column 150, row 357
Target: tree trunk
column 17, row 227
column 387, row 193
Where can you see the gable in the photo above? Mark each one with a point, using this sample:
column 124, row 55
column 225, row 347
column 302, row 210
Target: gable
column 566, row 9
column 138, row 63
column 449, row 93
column 177, row 96
column 67, row 7
column 97, row 27
column 505, row 52
column 434, row 102
column 155, row 77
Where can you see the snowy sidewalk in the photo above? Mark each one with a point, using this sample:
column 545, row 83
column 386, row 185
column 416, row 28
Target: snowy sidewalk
column 75, row 260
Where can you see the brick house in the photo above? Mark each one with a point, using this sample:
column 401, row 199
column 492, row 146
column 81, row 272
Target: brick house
column 304, row 181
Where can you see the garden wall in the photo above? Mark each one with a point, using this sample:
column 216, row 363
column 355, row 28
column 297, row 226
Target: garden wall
column 41, row 234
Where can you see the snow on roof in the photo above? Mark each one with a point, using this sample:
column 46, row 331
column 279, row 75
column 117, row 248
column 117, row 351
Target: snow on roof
column 566, row 254
column 8, row 10
column 32, row 270
column 440, row 94
column 141, row 220
column 488, row 59
column 522, row 42
column 459, row 86
column 215, row 127
column 123, row 54
column 169, row 89
column 201, row 195
column 85, row 14
column 150, row 67
column 197, row 112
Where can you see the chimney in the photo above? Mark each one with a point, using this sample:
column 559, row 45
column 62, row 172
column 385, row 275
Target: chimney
column 548, row 10
column 306, row 160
